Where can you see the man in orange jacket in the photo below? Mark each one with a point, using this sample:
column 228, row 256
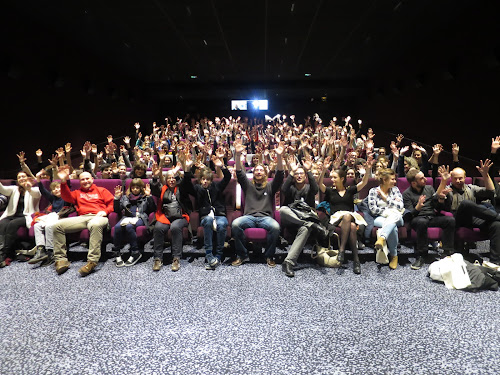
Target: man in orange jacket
column 93, row 204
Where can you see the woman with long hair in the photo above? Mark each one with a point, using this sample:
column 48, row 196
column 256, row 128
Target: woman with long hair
column 386, row 206
column 23, row 202
column 341, row 200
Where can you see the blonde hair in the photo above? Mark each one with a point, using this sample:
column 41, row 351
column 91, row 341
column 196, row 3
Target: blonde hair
column 385, row 173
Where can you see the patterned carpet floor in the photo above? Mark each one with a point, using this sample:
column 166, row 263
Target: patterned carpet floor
column 243, row 320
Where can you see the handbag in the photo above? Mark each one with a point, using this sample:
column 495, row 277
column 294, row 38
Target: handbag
column 172, row 210
column 171, row 207
column 326, row 257
column 304, row 211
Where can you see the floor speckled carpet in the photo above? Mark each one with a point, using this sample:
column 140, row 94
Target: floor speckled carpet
column 243, row 320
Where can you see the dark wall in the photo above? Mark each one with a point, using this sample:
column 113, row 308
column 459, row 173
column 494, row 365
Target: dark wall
column 54, row 92
column 446, row 90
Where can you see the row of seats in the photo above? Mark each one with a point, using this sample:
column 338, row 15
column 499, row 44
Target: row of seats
column 234, row 201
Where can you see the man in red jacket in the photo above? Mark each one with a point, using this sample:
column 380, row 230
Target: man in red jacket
column 93, row 204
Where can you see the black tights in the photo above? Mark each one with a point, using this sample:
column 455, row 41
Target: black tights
column 348, row 231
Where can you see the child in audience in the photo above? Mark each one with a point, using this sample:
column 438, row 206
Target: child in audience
column 135, row 206
column 44, row 224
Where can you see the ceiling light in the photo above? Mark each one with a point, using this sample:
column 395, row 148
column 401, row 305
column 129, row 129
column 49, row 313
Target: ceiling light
column 292, row 8
column 194, row 77
column 204, row 41
column 307, row 75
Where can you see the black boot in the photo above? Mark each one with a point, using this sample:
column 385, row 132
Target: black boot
column 287, row 268
column 341, row 256
column 41, row 255
column 356, row 268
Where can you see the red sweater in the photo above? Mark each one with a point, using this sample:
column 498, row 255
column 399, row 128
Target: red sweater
column 89, row 201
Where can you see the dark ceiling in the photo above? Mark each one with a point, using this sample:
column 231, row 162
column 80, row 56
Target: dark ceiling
column 221, row 48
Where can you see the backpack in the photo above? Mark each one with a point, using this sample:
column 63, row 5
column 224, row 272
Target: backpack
column 482, row 278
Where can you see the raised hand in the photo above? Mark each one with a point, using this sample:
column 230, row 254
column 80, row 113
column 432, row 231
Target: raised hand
column 370, row 133
column 291, row 162
column 307, row 163
column 60, row 152
column 337, row 162
column 21, row 157
column 118, row 191
column 484, row 168
column 327, row 163
column 495, row 144
column 39, row 153
column 444, row 172
column 238, row 146
column 394, row 148
column 403, row 150
column 188, row 163
column 437, row 149
column 38, row 176
column 220, row 153
column 114, row 167
column 162, row 154
column 280, row 149
column 369, row 144
column 54, row 160
column 455, row 149
column 147, row 190
column 63, row 173
column 126, row 140
column 217, row 161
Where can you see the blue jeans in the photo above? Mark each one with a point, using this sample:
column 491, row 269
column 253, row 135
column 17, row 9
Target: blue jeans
column 126, row 232
column 266, row 222
column 389, row 230
column 208, row 234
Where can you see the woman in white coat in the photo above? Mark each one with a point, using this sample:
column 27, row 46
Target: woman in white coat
column 23, row 203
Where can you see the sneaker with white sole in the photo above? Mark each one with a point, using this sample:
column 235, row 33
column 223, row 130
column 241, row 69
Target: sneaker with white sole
column 133, row 259
column 119, row 262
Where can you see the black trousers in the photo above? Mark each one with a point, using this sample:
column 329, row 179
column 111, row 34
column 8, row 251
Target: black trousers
column 470, row 214
column 420, row 225
column 8, row 231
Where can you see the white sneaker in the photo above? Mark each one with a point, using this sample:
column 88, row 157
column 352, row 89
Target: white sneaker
column 119, row 262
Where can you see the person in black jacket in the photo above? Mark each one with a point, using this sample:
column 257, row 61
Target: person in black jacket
column 300, row 185
column 211, row 206
column 422, row 207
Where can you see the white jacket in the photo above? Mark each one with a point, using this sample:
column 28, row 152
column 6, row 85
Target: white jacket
column 31, row 201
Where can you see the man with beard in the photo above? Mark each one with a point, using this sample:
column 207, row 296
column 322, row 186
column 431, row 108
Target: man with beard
column 422, row 205
column 259, row 205
column 299, row 186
